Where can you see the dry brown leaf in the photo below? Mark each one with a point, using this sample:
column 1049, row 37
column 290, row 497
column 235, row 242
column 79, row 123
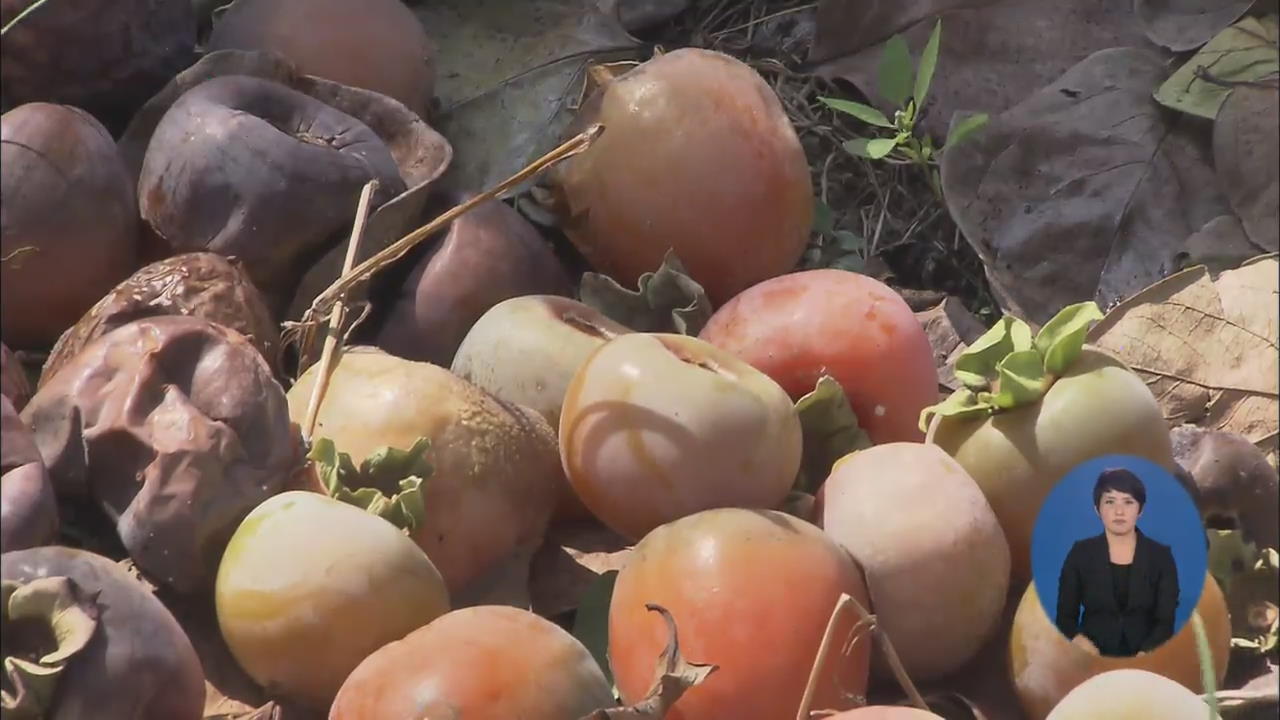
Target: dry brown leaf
column 674, row 676
column 950, row 328
column 572, row 557
column 1206, row 347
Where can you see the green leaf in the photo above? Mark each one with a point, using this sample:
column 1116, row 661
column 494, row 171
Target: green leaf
column 857, row 147
column 830, row 430
column 1021, row 379
column 894, row 82
column 385, row 467
column 1245, row 52
column 591, row 621
column 928, row 61
column 850, row 242
column 865, row 113
column 966, row 127
column 824, row 220
column 977, row 367
column 880, row 147
column 1061, row 339
column 962, row 403
column 666, row 300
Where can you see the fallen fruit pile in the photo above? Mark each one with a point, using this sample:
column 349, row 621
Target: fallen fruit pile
column 204, row 517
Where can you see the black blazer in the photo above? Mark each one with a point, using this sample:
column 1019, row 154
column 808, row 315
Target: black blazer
column 1086, row 581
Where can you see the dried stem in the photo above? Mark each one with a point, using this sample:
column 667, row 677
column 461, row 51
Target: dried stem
column 328, row 356
column 843, row 605
column 325, row 300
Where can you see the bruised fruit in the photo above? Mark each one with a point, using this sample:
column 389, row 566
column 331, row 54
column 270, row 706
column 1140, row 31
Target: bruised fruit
column 699, row 157
column 488, row 255
column 28, row 511
column 377, row 45
column 249, row 167
column 495, row 470
column 658, row 426
column 106, row 56
column 751, row 591
column 936, row 561
column 120, row 654
column 1233, row 480
column 173, row 428
column 1046, row 666
column 199, row 284
column 310, row 586
column 803, row 325
column 1032, row 409
column 1131, row 695
column 481, row 663
column 69, row 221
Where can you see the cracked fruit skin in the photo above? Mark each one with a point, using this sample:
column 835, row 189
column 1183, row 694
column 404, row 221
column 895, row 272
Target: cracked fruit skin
column 803, row 325
column 487, row 662
column 658, row 426
column 750, row 591
column 1098, row 407
column 1045, row 666
column 936, row 561
column 310, row 586
column 1130, row 695
column 699, row 157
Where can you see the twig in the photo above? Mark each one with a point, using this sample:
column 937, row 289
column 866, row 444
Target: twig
column 325, row 300
column 30, row 9
column 765, row 18
column 845, row 602
column 329, row 354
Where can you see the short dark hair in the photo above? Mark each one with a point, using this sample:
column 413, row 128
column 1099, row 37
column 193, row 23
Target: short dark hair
column 1121, row 480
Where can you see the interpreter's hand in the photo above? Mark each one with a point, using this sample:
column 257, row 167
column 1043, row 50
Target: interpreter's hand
column 1083, row 642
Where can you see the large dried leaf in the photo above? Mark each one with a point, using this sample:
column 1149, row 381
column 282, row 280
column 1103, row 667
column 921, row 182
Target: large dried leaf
column 508, row 74
column 1206, row 347
column 1246, row 143
column 994, row 53
column 1187, row 24
column 1220, row 245
column 1243, row 53
column 1086, row 190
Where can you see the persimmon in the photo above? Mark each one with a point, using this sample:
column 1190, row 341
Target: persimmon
column 1130, row 695
column 803, row 325
column 750, row 591
column 486, row 662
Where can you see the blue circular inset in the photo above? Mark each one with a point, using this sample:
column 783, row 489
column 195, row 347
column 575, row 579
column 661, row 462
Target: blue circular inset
column 1168, row 517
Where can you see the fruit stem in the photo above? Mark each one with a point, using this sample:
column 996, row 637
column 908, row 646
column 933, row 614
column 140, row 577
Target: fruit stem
column 329, row 354
column 845, row 602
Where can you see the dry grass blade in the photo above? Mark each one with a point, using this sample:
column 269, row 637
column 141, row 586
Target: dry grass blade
column 324, row 302
column 675, row 675
column 329, row 355
column 866, row 619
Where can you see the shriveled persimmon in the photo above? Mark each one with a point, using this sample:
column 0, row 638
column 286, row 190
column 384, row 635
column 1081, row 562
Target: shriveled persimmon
column 750, row 591
column 801, row 326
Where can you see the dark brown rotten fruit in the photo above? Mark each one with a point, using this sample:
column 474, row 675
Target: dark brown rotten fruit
column 126, row 656
column 28, row 513
column 489, row 255
column 175, row 428
column 106, row 56
column 374, row 44
column 68, row 223
column 1234, row 480
column 13, row 378
column 699, row 156
column 250, row 167
column 204, row 285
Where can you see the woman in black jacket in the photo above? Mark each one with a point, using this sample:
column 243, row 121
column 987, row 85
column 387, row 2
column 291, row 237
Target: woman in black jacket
column 1126, row 583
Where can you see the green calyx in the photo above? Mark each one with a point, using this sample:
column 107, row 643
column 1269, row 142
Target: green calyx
column 831, row 431
column 386, row 467
column 47, row 621
column 665, row 300
column 1008, row 367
